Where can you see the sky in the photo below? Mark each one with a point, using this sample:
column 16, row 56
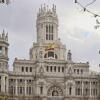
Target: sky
column 76, row 28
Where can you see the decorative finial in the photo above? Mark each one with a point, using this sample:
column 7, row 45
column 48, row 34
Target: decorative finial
column 3, row 32
column 53, row 8
column 47, row 7
column 41, row 8
column 44, row 8
column 7, row 36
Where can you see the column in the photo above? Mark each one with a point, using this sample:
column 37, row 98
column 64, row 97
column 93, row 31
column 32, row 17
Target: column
column 90, row 88
column 3, row 84
column 82, row 88
column 25, row 87
column 7, row 84
column 16, row 87
column 3, row 50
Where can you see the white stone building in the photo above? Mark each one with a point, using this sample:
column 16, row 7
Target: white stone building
column 47, row 75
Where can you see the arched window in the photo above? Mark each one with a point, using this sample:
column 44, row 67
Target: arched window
column 51, row 54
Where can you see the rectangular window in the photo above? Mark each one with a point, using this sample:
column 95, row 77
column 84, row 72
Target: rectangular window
column 22, row 69
column 51, row 36
column 46, row 36
column 0, row 49
column 62, row 69
column 58, row 69
column 77, row 71
column 47, row 68
column 30, row 69
column 26, row 69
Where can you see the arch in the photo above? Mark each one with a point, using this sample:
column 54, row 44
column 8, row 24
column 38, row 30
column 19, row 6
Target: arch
column 50, row 54
column 55, row 91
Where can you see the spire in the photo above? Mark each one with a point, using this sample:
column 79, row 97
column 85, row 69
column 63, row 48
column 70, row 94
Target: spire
column 54, row 8
column 69, row 56
column 3, row 34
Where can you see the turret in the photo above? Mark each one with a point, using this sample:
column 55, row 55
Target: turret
column 4, row 46
column 4, row 62
column 47, row 24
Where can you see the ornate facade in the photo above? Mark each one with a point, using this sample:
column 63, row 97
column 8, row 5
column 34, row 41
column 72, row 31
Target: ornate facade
column 47, row 75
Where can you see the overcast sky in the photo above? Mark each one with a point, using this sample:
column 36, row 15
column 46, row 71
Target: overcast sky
column 76, row 28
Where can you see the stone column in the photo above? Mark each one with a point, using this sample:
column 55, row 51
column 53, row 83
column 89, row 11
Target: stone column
column 7, row 84
column 25, row 87
column 3, row 84
column 16, row 87
column 82, row 88
column 3, row 50
column 90, row 88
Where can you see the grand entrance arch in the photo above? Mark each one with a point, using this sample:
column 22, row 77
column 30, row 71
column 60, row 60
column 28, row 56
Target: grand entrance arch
column 55, row 93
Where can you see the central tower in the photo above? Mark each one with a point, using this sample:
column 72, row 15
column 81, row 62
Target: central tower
column 47, row 25
column 48, row 44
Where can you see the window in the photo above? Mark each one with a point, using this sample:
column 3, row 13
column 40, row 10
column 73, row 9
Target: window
column 77, row 71
column 29, row 90
column 58, row 69
column 21, row 90
column 51, row 36
column 47, row 68
column 51, row 54
column 41, row 90
column 30, row 69
column 26, row 69
column 56, row 56
column 78, row 91
column 81, row 71
column 49, row 28
column 46, row 36
column 52, row 28
column 62, row 69
column 22, row 69
column 70, row 90
column 51, row 68
column 0, row 49
column 54, row 68
column 74, row 70
column 46, row 28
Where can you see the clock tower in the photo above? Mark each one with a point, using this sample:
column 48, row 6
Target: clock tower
column 48, row 44
column 47, row 25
